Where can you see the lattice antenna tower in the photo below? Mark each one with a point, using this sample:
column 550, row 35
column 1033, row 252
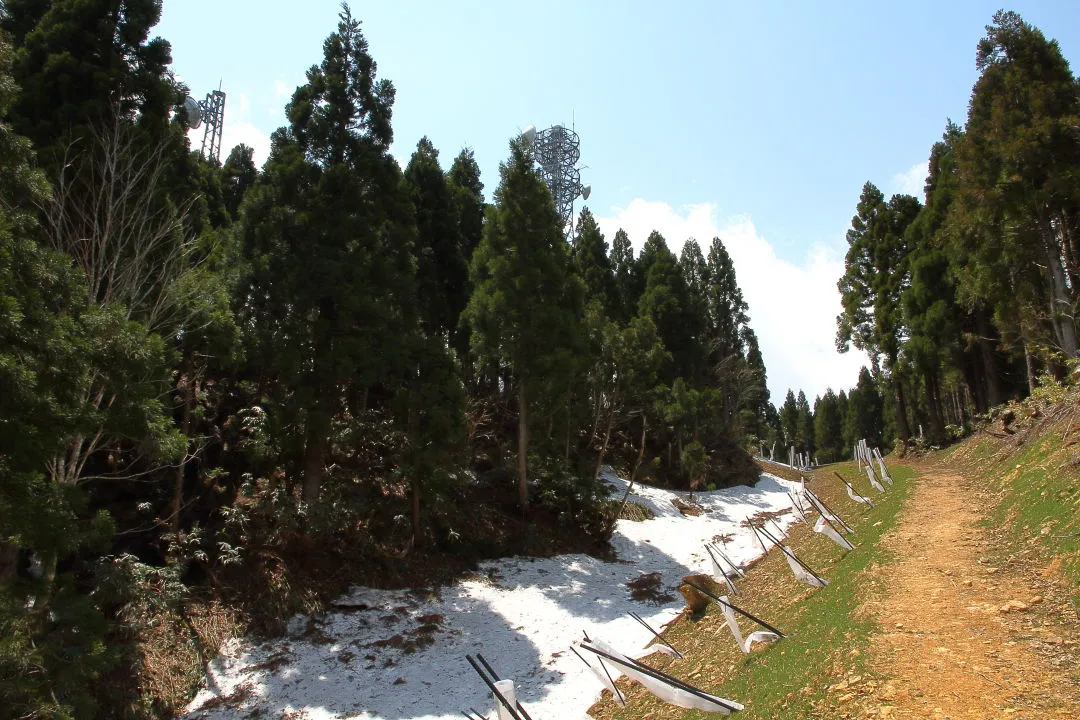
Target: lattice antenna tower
column 213, row 108
column 557, row 151
column 212, row 112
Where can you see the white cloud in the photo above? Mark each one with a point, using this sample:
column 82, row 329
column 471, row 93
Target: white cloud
column 282, row 91
column 242, row 105
column 793, row 307
column 244, row 131
column 912, row 182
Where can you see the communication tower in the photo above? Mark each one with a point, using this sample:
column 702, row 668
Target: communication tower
column 213, row 108
column 557, row 151
column 210, row 111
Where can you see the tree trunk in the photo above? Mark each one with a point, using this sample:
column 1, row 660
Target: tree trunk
column 641, row 450
column 416, row 534
column 994, row 395
column 316, row 444
column 1029, row 363
column 974, row 384
column 9, row 562
column 186, row 385
column 1061, row 311
column 1069, row 252
column 598, row 407
column 607, row 434
column 48, row 581
column 523, row 447
column 901, row 409
column 566, row 454
column 933, row 406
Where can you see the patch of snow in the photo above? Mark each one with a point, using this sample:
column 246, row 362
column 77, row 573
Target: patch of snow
column 400, row 654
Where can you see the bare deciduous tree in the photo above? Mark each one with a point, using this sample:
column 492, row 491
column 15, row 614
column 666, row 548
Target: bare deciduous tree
column 111, row 212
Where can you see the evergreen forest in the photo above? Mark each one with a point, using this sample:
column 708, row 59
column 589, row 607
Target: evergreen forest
column 227, row 392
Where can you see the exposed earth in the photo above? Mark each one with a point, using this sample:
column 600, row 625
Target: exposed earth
column 963, row 637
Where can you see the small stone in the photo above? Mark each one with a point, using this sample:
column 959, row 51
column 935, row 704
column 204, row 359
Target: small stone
column 967, row 583
column 1035, row 600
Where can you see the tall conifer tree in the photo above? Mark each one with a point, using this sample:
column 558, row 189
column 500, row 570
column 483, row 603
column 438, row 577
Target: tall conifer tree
column 629, row 277
column 329, row 244
column 522, row 258
column 442, row 268
column 875, row 273
column 589, row 254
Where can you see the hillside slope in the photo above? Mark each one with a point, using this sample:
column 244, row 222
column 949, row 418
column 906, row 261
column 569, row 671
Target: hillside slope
column 960, row 599
column 400, row 654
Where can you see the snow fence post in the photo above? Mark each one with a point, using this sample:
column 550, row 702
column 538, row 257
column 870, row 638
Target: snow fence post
column 506, row 689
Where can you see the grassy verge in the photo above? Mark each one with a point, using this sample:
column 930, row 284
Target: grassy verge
column 1029, row 475
column 825, row 628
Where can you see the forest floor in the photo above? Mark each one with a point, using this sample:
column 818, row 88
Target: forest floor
column 961, row 636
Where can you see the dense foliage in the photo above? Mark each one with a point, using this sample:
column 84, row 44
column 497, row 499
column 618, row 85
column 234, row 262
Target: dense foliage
column 233, row 387
column 227, row 386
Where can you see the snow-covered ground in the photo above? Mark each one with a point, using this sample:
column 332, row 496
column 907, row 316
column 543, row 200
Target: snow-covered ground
column 400, row 654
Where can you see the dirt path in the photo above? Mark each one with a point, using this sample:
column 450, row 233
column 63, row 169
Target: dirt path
column 960, row 639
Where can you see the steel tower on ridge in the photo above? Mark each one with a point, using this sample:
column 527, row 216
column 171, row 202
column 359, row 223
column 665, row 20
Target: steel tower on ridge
column 557, row 151
column 213, row 108
column 212, row 112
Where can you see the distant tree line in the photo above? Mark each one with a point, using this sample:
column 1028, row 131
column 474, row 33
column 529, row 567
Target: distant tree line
column 828, row 430
column 218, row 378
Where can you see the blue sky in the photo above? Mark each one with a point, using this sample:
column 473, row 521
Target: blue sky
column 758, row 122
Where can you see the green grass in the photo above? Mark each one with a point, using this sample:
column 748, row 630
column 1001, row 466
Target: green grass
column 1037, row 495
column 786, row 680
column 824, row 632
column 1032, row 481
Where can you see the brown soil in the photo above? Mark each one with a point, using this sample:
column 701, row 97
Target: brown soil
column 961, row 638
